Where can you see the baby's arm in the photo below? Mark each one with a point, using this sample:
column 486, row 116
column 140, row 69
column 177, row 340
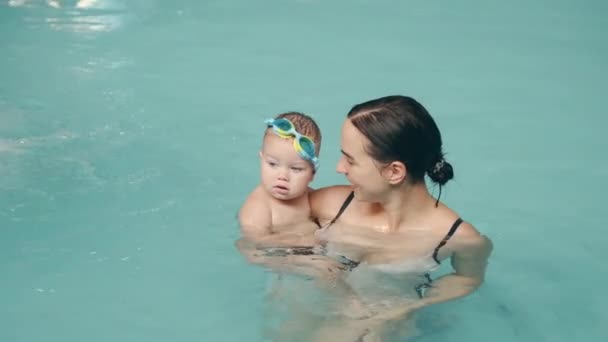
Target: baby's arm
column 255, row 218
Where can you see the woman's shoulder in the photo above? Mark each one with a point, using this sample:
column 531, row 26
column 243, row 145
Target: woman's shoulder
column 458, row 232
column 468, row 239
column 325, row 202
column 453, row 224
column 330, row 194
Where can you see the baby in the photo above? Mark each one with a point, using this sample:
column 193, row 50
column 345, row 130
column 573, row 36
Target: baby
column 277, row 212
column 275, row 219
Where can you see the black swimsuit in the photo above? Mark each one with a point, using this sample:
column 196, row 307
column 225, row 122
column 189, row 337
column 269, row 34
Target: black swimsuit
column 351, row 264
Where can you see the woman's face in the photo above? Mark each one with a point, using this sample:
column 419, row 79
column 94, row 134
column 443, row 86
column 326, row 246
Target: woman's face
column 361, row 170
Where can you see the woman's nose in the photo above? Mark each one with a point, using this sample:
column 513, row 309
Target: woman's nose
column 340, row 168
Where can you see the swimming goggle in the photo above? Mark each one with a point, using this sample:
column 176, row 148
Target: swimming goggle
column 303, row 144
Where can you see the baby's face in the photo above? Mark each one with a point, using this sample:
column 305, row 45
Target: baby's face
column 285, row 175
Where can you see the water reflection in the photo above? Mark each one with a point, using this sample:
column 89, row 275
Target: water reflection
column 83, row 16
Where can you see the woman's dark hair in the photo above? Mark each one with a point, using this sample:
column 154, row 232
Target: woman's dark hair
column 401, row 129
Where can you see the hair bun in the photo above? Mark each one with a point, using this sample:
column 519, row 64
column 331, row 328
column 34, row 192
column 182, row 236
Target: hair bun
column 441, row 172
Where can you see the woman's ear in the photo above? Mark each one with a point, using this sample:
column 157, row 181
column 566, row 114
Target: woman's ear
column 395, row 172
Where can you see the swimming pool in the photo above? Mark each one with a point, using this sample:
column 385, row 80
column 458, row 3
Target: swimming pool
column 129, row 134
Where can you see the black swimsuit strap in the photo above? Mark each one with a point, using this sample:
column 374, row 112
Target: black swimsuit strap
column 342, row 208
column 446, row 238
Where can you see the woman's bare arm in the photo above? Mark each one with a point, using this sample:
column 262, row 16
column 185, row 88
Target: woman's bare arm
column 469, row 260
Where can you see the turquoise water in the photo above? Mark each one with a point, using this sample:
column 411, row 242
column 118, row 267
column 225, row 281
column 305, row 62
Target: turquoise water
column 129, row 133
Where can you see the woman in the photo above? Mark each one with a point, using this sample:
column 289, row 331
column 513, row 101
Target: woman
column 386, row 223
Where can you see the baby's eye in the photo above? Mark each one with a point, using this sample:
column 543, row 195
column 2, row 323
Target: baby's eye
column 297, row 169
column 271, row 163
